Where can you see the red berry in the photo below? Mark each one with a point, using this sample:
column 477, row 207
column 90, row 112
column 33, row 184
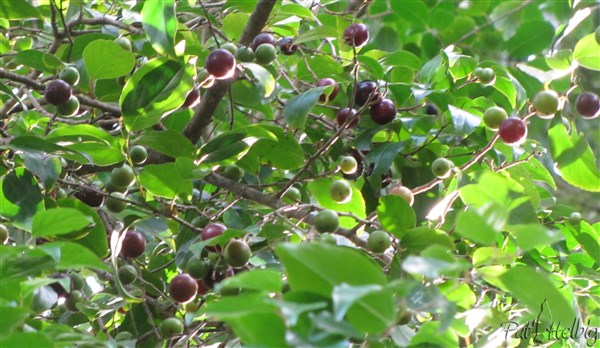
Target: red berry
column 383, row 112
column 513, row 131
column 364, row 90
column 211, row 231
column 202, row 288
column 344, row 114
column 57, row 92
column 588, row 104
column 287, row 47
column 263, row 38
column 183, row 288
column 356, row 34
column 334, row 92
column 134, row 244
column 220, row 63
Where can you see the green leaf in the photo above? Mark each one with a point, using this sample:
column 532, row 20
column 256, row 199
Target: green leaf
column 233, row 25
column 317, row 33
column 33, row 59
column 256, row 279
column 160, row 25
column 557, row 308
column 482, row 226
column 74, row 256
column 28, row 143
column 17, row 317
column 167, row 142
column 574, row 158
column 155, row 90
column 344, row 296
column 429, row 267
column 430, row 335
column 418, row 239
column 587, row 52
column 19, row 10
column 96, row 239
column 320, row 191
column 396, row 215
column 283, row 152
column 168, row 179
column 530, row 236
column 100, row 146
column 26, row 339
column 264, row 77
column 485, row 256
column 229, row 145
column 464, row 122
column 58, row 221
column 531, row 38
column 46, row 168
column 561, row 60
column 402, row 59
column 105, row 59
column 382, row 157
column 297, row 108
column 21, row 198
column 319, row 268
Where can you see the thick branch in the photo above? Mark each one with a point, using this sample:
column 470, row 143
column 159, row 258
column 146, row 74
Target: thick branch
column 104, row 21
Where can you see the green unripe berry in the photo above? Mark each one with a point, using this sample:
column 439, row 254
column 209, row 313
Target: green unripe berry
column 114, row 203
column 138, row 154
column 127, row 274
column 546, row 103
column 292, row 195
column 485, row 75
column 3, row 234
column 493, row 117
column 403, row 192
column 70, row 75
column 70, row 108
column 244, row 54
column 378, row 241
column 197, row 268
column 233, row 172
column 122, row 176
column 170, row 327
column 237, row 253
column 442, row 168
column 328, row 238
column 125, row 43
column 327, row 221
column 340, row 191
column 229, row 46
column 265, row 54
column 575, row 218
column 348, row 165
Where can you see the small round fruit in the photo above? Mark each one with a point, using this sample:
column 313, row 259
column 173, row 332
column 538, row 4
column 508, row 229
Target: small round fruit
column 340, row 191
column 292, row 195
column 74, row 297
column 212, row 230
column 183, row 288
column 220, row 63
column 262, row 38
column 513, row 131
column 244, row 54
column 265, row 54
column 346, row 113
column 114, row 203
column 89, row 197
column 170, row 327
column 328, row 82
column 348, row 165
column 233, row 172
column 125, row 43
column 356, row 34
column 134, row 244
column 70, row 108
column 546, row 103
column 197, row 268
column 403, row 192
column 57, row 92
column 378, row 241
column 202, row 287
column 588, row 104
column 493, row 117
column 328, row 238
column 192, row 307
column 485, row 75
column 192, row 99
column 200, row 221
column 138, row 154
column 442, row 168
column 237, row 253
column 575, row 218
column 70, row 75
column 327, row 221
column 431, row 109
column 287, row 47
column 229, row 46
column 365, row 90
column 110, row 188
column 127, row 274
column 122, row 176
column 383, row 112
column 3, row 234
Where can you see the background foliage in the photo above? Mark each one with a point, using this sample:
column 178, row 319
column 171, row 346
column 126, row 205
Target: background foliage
column 491, row 244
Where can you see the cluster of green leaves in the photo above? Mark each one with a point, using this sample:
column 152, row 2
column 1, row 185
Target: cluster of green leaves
column 464, row 256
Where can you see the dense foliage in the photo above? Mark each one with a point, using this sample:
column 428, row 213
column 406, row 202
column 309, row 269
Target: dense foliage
column 299, row 173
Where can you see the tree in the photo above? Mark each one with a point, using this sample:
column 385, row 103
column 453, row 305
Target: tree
column 259, row 172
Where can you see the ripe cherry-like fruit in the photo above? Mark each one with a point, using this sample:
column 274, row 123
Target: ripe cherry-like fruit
column 292, row 195
column 378, row 241
column 122, row 176
column 170, row 327
column 197, row 267
column 70, row 108
column 287, row 47
column 328, row 82
column 211, row 231
column 192, row 99
column 340, row 191
column 127, row 274
column 57, row 92
column 546, row 103
column 431, row 109
column 365, row 90
column 134, row 244
column 262, row 38
column 348, row 165
column 3, row 234
column 356, row 34
column 403, row 192
column 327, row 221
column 265, row 54
column 493, row 117
column 244, row 54
column 220, row 63
column 442, row 168
column 346, row 113
column 114, row 203
column 383, row 112
column 485, row 75
column 513, row 131
column 89, row 197
column 183, row 288
column 125, row 43
column 588, row 104
column 237, row 253
column 138, row 154
column 70, row 75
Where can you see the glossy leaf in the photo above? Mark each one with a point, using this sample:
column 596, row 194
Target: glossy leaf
column 105, row 59
column 58, row 221
column 160, row 25
column 297, row 108
column 587, row 52
column 396, row 215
